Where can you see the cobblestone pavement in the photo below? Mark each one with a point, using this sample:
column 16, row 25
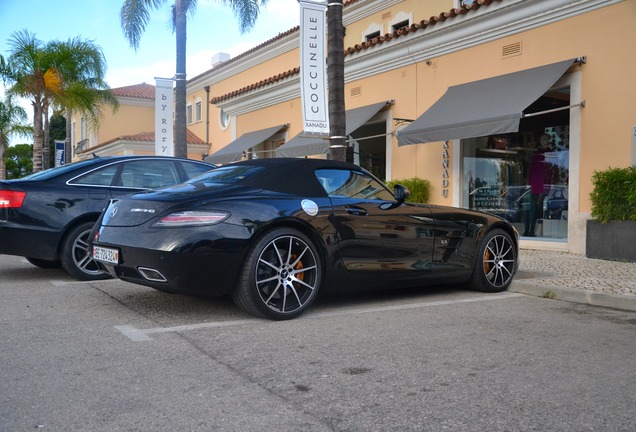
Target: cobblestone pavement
column 576, row 278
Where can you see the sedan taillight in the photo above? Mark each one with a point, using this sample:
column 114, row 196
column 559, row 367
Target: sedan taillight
column 11, row 199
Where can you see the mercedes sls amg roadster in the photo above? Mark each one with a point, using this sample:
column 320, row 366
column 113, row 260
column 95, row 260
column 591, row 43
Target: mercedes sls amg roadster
column 272, row 233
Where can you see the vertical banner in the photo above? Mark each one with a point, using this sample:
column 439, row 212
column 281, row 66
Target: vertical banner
column 164, row 108
column 59, row 153
column 313, row 77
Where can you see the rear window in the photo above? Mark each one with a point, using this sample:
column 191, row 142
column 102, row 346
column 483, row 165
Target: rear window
column 229, row 174
column 193, row 169
column 52, row 172
column 152, row 173
column 99, row 177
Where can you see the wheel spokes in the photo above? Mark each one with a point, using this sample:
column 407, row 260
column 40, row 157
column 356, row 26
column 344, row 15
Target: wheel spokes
column 499, row 261
column 286, row 274
column 82, row 257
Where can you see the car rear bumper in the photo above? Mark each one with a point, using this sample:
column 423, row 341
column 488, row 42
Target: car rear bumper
column 28, row 241
column 203, row 273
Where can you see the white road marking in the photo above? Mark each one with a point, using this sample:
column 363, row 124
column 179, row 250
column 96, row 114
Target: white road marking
column 141, row 335
column 417, row 305
column 75, row 282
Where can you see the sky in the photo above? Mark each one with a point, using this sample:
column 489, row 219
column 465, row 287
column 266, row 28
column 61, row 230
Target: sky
column 212, row 29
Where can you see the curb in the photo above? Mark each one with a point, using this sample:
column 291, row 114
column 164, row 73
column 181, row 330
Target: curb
column 573, row 295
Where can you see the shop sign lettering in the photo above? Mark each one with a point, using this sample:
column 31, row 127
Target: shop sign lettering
column 313, row 78
column 445, row 164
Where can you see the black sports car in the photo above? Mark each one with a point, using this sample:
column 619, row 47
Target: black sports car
column 46, row 217
column 273, row 232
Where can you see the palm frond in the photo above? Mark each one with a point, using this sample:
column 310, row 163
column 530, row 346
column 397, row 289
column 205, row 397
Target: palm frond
column 134, row 15
column 246, row 11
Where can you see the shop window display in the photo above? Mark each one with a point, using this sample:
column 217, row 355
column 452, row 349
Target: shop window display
column 522, row 176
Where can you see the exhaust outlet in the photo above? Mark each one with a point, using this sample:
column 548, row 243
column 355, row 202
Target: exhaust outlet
column 151, row 275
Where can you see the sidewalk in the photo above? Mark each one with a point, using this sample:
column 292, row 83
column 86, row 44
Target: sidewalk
column 575, row 278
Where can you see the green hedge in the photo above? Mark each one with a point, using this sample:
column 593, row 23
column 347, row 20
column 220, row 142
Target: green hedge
column 614, row 194
column 420, row 189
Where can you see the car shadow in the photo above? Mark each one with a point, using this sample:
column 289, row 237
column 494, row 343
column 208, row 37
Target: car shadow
column 388, row 297
column 27, row 272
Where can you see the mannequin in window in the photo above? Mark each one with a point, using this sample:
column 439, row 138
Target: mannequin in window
column 539, row 172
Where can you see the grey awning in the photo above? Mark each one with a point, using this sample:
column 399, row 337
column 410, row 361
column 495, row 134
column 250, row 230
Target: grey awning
column 485, row 107
column 234, row 150
column 300, row 146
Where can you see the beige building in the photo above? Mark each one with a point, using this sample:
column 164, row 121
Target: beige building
column 129, row 130
column 504, row 105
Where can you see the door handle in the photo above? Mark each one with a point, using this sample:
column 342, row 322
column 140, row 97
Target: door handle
column 356, row 211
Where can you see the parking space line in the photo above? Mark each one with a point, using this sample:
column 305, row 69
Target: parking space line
column 418, row 305
column 75, row 282
column 141, row 335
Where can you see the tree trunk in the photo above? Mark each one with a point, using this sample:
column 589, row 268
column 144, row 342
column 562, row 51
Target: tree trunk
column 37, row 136
column 180, row 136
column 46, row 148
column 335, row 76
column 67, row 140
column 3, row 156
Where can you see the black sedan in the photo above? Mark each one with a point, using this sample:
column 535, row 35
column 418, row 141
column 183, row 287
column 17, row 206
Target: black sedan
column 46, row 217
column 273, row 232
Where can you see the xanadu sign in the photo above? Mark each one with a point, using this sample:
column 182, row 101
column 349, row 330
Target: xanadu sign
column 164, row 139
column 313, row 80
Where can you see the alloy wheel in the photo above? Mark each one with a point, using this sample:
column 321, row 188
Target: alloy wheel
column 81, row 256
column 499, row 261
column 286, row 275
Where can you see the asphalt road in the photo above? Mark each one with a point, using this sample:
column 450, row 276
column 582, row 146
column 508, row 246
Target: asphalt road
column 111, row 356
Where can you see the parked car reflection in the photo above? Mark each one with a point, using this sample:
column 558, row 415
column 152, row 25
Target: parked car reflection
column 513, row 203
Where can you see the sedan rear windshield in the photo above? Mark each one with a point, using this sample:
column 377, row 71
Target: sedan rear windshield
column 229, row 174
column 52, row 172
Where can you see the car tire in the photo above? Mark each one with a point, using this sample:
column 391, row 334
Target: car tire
column 280, row 277
column 75, row 256
column 496, row 263
column 45, row 264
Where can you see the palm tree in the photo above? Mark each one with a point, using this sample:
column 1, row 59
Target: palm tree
column 66, row 74
column 32, row 75
column 12, row 122
column 135, row 14
column 83, row 68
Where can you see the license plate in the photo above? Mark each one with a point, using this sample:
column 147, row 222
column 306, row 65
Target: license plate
column 106, row 254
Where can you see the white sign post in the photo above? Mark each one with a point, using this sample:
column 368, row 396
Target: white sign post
column 313, row 77
column 164, row 108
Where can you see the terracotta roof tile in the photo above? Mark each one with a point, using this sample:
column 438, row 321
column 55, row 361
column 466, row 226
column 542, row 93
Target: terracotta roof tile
column 415, row 27
column 262, row 83
column 139, row 91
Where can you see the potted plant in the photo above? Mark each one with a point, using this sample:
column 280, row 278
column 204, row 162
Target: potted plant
column 612, row 232
column 419, row 189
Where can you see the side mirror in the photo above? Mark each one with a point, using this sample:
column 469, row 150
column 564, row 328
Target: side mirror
column 401, row 193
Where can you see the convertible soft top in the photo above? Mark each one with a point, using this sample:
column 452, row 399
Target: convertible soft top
column 289, row 175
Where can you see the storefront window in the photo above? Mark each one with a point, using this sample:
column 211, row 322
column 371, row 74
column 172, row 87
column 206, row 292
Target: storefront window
column 523, row 176
column 367, row 148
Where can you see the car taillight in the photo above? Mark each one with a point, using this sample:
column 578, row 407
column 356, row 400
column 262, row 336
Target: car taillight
column 192, row 218
column 11, row 199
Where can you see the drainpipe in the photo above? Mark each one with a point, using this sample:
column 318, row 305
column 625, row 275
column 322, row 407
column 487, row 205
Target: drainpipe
column 207, row 115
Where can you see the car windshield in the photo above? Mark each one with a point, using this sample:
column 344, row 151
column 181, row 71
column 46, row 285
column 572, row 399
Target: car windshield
column 52, row 172
column 229, row 174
